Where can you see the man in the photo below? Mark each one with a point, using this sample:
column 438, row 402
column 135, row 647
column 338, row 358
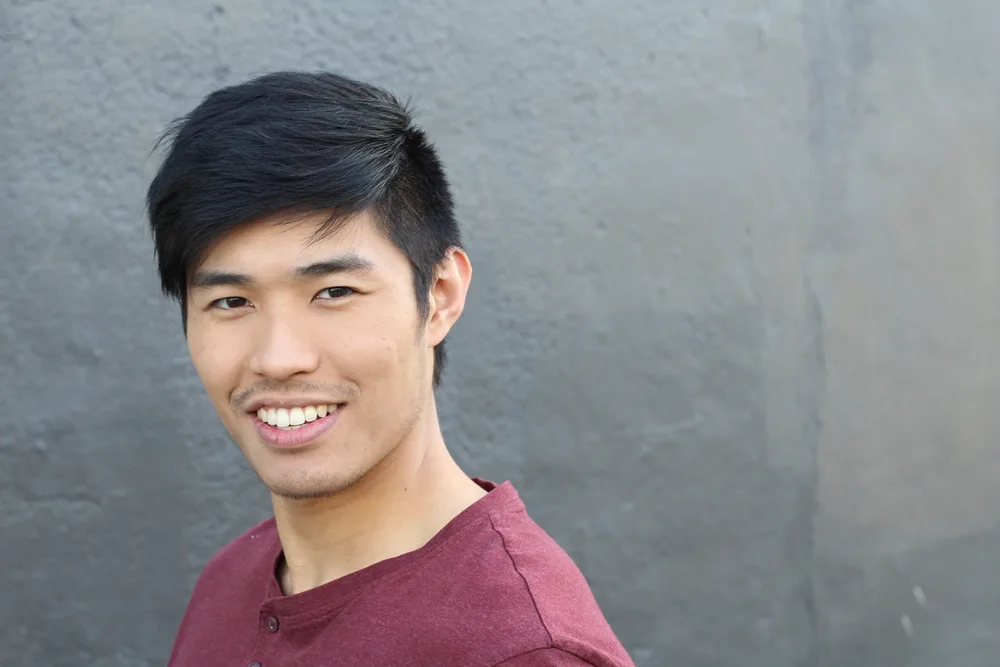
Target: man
column 306, row 227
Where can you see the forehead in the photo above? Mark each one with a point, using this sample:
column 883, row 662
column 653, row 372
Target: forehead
column 273, row 245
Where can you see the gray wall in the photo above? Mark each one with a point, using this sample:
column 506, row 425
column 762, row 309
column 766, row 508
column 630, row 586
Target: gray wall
column 732, row 330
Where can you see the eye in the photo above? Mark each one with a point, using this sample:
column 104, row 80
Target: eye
column 331, row 293
column 230, row 303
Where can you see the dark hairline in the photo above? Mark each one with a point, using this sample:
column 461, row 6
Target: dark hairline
column 331, row 144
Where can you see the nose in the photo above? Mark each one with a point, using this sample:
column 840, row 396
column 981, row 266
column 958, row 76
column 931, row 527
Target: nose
column 284, row 351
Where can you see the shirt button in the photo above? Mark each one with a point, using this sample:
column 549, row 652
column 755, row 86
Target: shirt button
column 272, row 625
column 254, row 664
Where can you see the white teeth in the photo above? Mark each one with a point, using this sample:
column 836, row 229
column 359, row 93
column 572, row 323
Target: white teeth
column 286, row 418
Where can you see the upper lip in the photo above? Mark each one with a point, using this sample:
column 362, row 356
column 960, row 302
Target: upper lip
column 285, row 402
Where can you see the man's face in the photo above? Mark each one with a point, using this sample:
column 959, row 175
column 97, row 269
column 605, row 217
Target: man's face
column 311, row 350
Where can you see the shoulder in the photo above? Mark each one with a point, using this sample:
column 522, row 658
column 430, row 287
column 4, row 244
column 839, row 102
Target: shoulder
column 561, row 595
column 545, row 657
column 254, row 543
column 243, row 559
column 478, row 595
column 230, row 586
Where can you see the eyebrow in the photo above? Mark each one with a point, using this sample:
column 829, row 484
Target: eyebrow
column 350, row 262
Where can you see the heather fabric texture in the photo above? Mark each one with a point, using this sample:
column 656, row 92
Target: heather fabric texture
column 491, row 589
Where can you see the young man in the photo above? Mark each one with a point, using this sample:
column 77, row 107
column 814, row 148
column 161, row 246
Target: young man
column 306, row 227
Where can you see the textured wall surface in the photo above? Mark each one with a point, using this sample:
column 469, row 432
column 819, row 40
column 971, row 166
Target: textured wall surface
column 732, row 332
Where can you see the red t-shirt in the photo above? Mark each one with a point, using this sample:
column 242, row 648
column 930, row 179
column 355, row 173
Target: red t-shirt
column 491, row 589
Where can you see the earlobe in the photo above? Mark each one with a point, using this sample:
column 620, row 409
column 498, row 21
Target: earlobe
column 448, row 293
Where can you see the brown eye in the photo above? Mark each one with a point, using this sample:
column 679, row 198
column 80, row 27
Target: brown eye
column 230, row 303
column 334, row 293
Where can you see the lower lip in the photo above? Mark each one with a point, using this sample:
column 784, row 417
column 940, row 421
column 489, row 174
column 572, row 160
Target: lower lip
column 298, row 437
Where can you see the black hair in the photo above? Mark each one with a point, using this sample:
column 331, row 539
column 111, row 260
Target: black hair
column 300, row 142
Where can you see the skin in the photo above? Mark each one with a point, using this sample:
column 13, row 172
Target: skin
column 381, row 481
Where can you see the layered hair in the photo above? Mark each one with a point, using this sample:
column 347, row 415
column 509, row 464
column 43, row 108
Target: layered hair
column 298, row 143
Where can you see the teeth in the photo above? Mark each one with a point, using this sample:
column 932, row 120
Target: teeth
column 290, row 418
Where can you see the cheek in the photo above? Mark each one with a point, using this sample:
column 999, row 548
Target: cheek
column 217, row 364
column 368, row 359
column 383, row 352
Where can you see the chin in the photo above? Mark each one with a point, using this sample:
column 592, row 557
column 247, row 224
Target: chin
column 303, row 485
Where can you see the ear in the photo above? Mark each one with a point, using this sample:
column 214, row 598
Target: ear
column 447, row 295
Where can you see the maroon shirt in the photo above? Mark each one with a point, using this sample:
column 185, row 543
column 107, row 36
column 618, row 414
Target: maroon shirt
column 491, row 589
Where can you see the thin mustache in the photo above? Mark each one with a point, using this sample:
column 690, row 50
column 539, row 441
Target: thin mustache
column 333, row 390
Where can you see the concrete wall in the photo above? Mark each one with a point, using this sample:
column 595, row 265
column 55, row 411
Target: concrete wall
column 732, row 332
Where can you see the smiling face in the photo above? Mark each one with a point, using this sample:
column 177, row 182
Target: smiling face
column 312, row 348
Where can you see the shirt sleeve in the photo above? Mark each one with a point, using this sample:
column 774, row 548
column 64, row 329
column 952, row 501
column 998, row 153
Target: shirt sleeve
column 545, row 657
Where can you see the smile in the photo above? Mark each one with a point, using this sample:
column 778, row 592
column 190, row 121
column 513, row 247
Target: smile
column 295, row 427
column 294, row 418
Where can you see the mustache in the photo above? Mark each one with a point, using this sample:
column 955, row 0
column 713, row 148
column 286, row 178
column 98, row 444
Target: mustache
column 338, row 393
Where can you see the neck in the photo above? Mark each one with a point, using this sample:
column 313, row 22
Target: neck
column 397, row 507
